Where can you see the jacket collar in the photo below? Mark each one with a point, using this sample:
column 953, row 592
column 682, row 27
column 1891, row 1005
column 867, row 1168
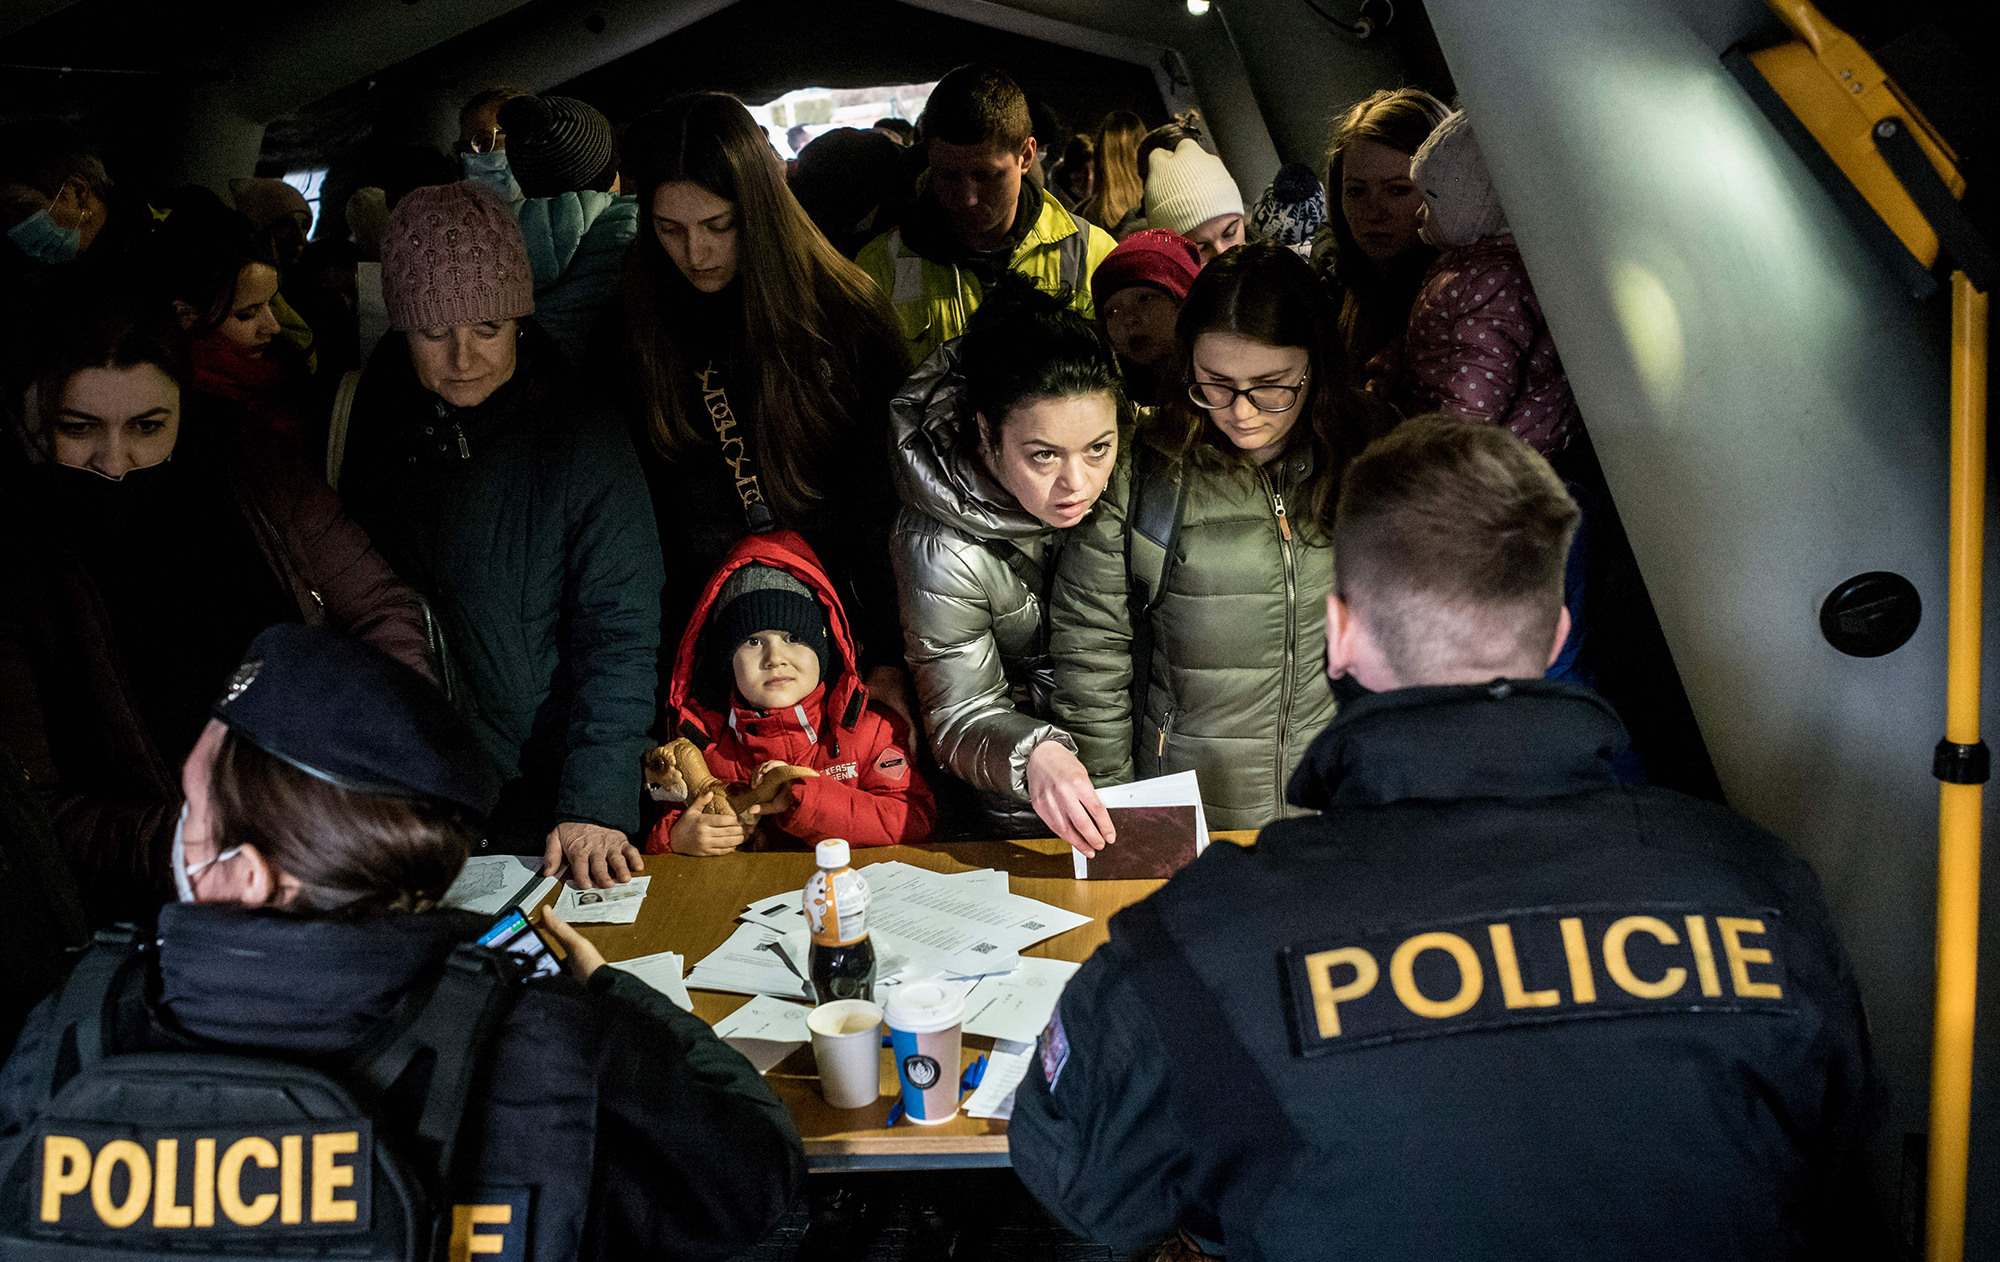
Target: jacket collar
column 1512, row 738
column 259, row 979
column 803, row 717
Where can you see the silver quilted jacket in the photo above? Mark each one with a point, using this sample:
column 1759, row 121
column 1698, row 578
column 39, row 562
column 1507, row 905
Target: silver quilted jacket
column 969, row 562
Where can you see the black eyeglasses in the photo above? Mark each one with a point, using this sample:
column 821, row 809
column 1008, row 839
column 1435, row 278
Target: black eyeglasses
column 486, row 141
column 1216, row 395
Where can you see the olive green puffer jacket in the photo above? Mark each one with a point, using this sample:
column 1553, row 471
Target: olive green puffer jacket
column 1238, row 687
column 970, row 576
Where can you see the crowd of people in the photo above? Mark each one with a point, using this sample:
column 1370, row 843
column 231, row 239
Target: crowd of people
column 969, row 472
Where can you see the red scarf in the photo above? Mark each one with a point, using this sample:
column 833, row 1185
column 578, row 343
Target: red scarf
column 221, row 368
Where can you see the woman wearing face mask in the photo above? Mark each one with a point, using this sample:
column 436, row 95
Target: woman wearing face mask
column 508, row 493
column 1003, row 441
column 1254, row 449
column 161, row 545
column 222, row 284
column 1369, row 244
column 761, row 364
column 331, row 801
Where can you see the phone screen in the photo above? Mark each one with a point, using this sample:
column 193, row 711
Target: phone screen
column 513, row 934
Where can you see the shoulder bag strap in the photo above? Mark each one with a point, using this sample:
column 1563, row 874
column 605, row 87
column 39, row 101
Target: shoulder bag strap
column 336, row 434
column 82, row 1031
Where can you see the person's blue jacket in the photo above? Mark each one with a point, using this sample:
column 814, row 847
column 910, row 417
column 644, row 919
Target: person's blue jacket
column 576, row 250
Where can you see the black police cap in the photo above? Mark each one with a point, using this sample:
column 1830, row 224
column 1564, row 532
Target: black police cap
column 337, row 709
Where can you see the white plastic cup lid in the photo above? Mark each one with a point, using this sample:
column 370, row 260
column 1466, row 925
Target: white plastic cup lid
column 831, row 853
column 922, row 1007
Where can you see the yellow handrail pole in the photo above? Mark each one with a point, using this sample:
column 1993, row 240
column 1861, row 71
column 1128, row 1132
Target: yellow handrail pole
column 1959, row 804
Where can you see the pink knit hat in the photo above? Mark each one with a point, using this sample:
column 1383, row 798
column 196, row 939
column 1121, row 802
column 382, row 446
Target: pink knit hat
column 454, row 255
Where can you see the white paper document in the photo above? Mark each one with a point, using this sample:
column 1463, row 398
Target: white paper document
column 618, row 905
column 1016, row 1006
column 765, row 1030
column 663, row 973
column 759, row 961
column 1180, row 789
column 490, row 884
column 1006, row 1065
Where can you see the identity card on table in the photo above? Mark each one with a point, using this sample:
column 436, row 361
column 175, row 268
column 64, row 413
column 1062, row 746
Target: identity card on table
column 618, row 905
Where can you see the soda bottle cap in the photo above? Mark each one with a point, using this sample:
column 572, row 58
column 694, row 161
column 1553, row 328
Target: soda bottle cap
column 831, row 853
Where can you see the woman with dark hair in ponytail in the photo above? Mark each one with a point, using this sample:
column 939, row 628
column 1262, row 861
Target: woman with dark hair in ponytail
column 762, row 363
column 1245, row 462
column 1003, row 441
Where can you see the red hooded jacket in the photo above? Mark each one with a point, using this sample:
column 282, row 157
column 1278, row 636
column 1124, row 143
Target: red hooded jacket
column 868, row 791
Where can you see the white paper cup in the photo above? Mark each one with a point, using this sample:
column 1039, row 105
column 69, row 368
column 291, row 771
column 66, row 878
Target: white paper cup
column 847, row 1043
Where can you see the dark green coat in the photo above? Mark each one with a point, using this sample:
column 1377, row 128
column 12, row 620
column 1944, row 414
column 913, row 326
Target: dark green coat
column 534, row 540
column 1238, row 683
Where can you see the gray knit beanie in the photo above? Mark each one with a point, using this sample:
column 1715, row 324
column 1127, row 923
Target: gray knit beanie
column 454, row 255
column 557, row 145
column 761, row 597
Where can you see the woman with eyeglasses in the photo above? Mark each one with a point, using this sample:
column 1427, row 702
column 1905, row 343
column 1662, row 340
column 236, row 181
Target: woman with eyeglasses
column 1231, row 652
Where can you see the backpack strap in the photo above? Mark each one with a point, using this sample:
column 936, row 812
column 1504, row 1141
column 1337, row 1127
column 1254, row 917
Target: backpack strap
column 1152, row 535
column 83, row 1026
column 437, row 1051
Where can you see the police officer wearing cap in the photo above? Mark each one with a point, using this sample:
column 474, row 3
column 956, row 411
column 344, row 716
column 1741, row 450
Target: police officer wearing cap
column 330, row 804
column 1490, row 1002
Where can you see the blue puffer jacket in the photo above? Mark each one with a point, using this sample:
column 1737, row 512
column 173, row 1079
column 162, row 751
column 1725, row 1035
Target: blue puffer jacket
column 576, row 248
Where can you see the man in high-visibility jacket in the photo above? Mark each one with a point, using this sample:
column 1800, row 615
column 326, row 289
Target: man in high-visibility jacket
column 980, row 210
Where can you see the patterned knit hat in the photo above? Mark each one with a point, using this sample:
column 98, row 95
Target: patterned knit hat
column 453, row 255
column 1188, row 187
column 1460, row 203
column 1291, row 210
column 557, row 145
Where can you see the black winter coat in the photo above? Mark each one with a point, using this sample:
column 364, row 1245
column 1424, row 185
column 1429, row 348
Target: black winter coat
column 525, row 521
column 642, row 1134
column 1490, row 1004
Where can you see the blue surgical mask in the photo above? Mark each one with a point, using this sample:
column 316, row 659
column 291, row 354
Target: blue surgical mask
column 491, row 169
column 44, row 240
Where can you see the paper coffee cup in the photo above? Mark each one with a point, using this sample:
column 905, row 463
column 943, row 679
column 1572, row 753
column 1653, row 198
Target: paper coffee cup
column 847, row 1043
column 925, row 1020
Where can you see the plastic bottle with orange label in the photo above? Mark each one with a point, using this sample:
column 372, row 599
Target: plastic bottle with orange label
column 836, row 905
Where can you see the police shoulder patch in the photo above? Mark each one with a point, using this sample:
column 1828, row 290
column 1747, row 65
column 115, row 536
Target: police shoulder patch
column 1532, row 966
column 1054, row 1049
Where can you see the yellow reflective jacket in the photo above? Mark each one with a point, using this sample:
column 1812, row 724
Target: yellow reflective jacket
column 933, row 301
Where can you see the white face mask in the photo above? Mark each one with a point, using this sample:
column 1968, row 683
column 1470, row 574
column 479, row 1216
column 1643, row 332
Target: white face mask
column 184, row 875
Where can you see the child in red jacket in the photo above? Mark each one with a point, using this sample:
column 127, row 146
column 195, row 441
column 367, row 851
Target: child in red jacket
column 766, row 676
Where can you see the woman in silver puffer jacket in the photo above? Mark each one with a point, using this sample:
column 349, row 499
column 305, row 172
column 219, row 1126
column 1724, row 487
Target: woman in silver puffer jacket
column 985, row 508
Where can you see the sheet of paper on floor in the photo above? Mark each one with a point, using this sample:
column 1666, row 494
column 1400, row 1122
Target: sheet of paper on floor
column 1006, row 1065
column 490, row 884
column 663, row 973
column 618, row 905
column 1017, row 1005
column 1180, row 789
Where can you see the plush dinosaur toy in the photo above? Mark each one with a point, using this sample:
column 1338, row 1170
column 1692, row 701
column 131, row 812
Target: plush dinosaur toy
column 677, row 773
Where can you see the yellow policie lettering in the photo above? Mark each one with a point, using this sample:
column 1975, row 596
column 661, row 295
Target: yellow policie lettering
column 229, row 1181
column 1328, row 997
column 1402, row 975
column 138, row 1185
column 291, row 1149
column 1620, row 968
column 1582, row 982
column 204, row 1183
column 465, row 1241
column 327, row 1176
column 1741, row 958
column 65, row 1172
column 166, row 1170
column 1508, row 966
column 1704, row 957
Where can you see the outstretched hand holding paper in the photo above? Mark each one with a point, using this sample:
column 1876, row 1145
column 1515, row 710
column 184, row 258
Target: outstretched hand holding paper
column 1161, row 828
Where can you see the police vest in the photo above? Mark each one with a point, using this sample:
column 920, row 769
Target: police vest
column 200, row 1151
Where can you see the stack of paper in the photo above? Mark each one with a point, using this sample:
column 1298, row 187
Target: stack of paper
column 1006, row 1065
column 663, row 973
column 1181, row 790
column 490, row 884
column 1015, row 1006
column 760, row 961
column 765, row 1030
column 618, row 905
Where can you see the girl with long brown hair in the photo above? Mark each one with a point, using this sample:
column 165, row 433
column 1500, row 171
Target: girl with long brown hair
column 1369, row 243
column 1218, row 670
column 763, row 363
column 1117, row 189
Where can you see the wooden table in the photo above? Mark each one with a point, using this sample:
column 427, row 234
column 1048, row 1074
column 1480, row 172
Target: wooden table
column 691, row 908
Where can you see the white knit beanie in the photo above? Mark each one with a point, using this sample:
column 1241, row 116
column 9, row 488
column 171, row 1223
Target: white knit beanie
column 1460, row 202
column 1188, row 187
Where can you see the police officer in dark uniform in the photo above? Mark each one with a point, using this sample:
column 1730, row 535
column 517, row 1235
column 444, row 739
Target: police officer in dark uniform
column 330, row 806
column 1489, row 1003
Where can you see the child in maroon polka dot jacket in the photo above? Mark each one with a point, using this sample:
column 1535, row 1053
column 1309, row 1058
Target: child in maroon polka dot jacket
column 1477, row 344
